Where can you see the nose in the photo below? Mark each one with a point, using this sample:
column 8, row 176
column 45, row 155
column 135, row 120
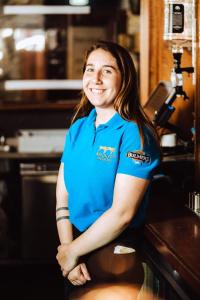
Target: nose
column 97, row 77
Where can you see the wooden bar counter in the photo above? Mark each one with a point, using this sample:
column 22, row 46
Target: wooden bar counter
column 172, row 233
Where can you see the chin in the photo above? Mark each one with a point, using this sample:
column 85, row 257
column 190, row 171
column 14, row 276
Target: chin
column 97, row 103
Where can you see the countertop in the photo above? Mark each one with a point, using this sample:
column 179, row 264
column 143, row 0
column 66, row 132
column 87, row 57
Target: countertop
column 174, row 231
column 18, row 155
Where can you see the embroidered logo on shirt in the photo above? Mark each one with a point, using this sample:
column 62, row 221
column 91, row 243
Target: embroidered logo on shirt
column 105, row 153
column 138, row 156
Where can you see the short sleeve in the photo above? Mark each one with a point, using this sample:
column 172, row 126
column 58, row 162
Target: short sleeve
column 135, row 160
column 66, row 147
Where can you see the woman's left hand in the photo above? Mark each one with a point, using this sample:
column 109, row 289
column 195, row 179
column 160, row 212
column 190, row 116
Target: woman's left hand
column 66, row 258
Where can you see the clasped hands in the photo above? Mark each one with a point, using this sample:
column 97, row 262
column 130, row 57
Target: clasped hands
column 76, row 273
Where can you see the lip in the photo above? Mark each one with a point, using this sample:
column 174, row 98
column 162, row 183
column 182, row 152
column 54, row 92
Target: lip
column 97, row 91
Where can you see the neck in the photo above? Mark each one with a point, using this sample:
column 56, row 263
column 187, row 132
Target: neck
column 104, row 115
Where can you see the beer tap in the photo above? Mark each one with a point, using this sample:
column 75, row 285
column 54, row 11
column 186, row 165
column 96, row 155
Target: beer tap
column 177, row 72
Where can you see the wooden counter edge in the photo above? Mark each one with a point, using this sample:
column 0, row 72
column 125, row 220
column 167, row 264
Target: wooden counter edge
column 171, row 258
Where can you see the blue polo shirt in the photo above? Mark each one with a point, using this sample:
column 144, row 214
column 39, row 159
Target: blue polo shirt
column 93, row 156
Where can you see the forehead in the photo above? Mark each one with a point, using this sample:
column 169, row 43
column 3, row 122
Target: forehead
column 99, row 56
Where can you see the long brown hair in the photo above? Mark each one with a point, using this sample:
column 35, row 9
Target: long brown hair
column 127, row 102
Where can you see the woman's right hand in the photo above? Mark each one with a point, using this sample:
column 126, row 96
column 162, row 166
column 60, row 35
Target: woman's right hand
column 79, row 275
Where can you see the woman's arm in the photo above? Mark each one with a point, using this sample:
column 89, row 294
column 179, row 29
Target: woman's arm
column 64, row 227
column 79, row 275
column 128, row 193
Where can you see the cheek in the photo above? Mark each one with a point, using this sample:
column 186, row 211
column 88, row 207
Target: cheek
column 84, row 83
column 86, row 90
column 118, row 85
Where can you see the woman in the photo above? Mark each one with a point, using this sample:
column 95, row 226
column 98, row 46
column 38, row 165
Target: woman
column 107, row 165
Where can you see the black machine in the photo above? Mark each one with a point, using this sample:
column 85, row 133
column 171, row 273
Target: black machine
column 164, row 113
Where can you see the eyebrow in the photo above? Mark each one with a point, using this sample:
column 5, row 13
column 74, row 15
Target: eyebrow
column 104, row 66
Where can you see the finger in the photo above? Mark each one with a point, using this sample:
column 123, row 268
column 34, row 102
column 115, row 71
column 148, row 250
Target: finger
column 64, row 273
column 58, row 248
column 79, row 281
column 76, row 275
column 85, row 271
column 76, row 282
column 58, row 256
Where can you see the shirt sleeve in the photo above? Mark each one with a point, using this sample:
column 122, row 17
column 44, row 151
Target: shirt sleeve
column 135, row 160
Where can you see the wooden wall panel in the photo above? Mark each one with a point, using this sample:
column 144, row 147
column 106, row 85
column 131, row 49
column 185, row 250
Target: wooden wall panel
column 144, row 50
column 197, row 104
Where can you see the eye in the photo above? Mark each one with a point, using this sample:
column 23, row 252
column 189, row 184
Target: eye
column 107, row 71
column 89, row 69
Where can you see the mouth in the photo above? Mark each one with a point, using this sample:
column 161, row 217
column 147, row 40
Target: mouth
column 97, row 91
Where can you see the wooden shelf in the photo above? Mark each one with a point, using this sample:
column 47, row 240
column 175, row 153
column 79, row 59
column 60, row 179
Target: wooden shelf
column 44, row 9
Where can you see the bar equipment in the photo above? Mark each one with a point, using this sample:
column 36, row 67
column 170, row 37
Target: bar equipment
column 179, row 31
column 194, row 202
column 39, row 238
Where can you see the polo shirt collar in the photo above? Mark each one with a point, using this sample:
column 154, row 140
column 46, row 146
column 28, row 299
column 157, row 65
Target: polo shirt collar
column 91, row 117
column 115, row 122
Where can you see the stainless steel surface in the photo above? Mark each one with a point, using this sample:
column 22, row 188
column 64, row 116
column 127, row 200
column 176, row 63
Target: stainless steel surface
column 39, row 233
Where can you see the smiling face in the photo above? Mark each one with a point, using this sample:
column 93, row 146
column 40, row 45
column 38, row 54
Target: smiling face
column 101, row 79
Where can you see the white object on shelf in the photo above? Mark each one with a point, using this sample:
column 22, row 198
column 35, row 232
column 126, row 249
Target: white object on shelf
column 78, row 2
column 168, row 140
column 14, row 85
column 45, row 9
column 41, row 141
